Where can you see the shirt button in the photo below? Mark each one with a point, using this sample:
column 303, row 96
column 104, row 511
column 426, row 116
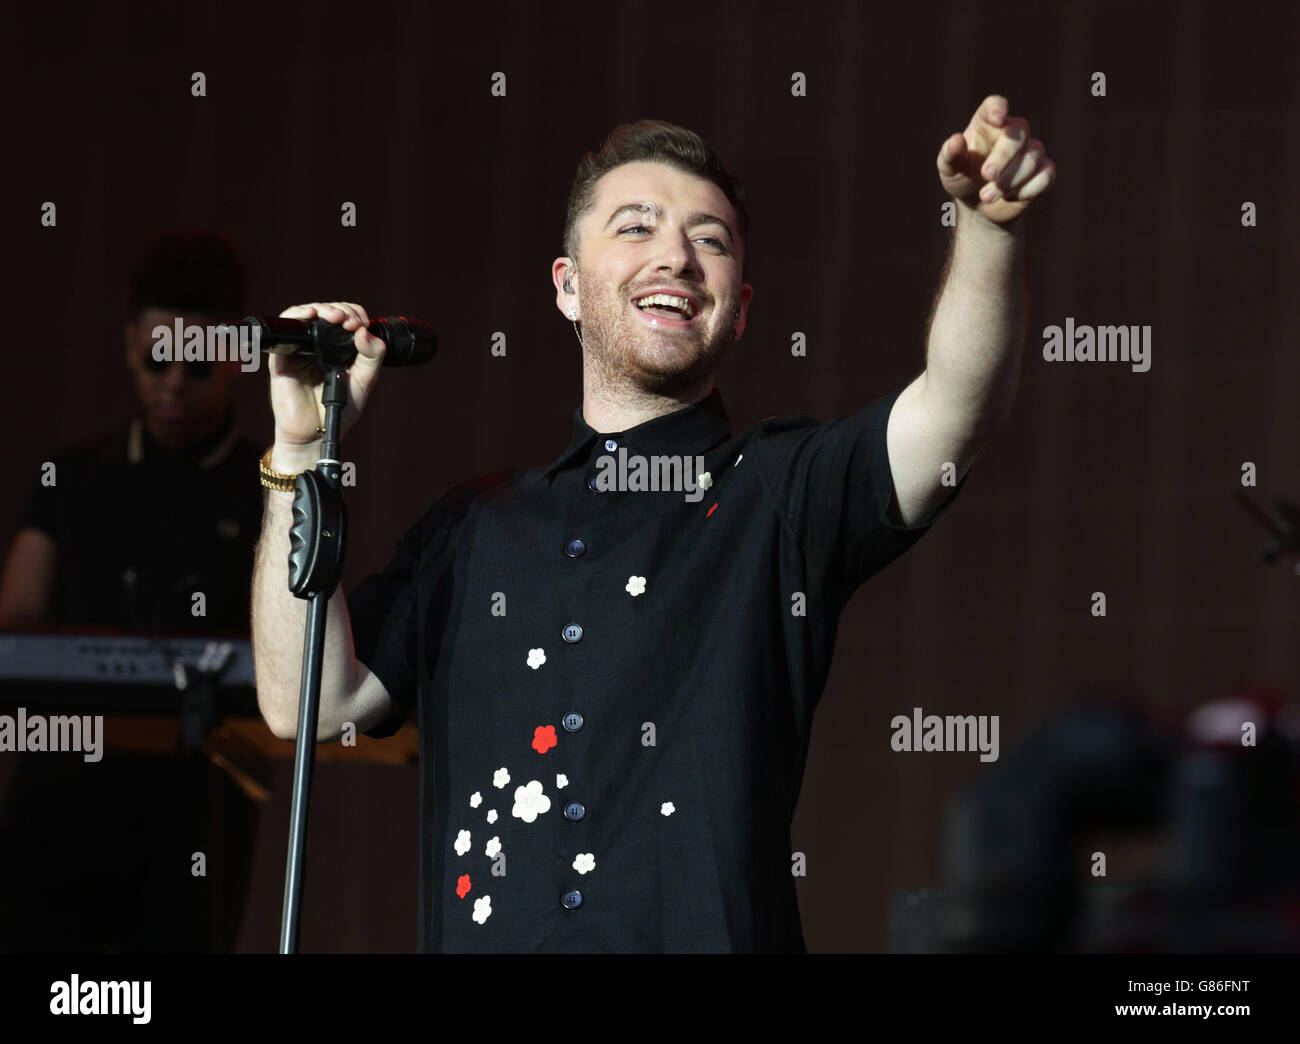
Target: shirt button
column 572, row 721
column 575, row 810
column 611, row 445
column 571, row 899
column 575, row 548
column 591, row 484
column 572, row 634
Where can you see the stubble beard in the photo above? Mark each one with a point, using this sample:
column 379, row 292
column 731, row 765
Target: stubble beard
column 626, row 354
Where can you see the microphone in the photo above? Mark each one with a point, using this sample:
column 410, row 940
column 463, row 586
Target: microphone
column 411, row 342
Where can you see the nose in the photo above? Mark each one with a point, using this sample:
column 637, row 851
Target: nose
column 676, row 254
column 174, row 376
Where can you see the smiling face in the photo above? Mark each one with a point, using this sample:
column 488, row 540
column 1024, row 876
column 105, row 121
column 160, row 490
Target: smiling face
column 656, row 228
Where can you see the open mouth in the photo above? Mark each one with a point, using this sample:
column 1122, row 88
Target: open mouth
column 667, row 310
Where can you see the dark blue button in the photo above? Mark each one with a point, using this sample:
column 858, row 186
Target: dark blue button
column 591, row 484
column 611, row 445
column 572, row 634
column 574, row 810
column 575, row 549
column 571, row 899
column 572, row 721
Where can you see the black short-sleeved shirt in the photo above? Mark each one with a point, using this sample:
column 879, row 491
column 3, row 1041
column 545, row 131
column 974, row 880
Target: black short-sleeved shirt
column 141, row 529
column 616, row 689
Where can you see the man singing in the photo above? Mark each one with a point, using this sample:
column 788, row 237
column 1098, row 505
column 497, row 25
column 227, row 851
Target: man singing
column 616, row 685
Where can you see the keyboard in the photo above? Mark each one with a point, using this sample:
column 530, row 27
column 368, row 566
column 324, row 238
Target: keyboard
column 122, row 672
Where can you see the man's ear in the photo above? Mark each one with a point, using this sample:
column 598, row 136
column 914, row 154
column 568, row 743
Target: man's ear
column 564, row 274
column 746, row 295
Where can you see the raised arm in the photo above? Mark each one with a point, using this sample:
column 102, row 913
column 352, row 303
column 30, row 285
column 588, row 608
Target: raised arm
column 993, row 170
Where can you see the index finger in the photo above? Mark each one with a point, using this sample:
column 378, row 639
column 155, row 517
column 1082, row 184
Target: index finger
column 304, row 311
column 993, row 110
column 989, row 119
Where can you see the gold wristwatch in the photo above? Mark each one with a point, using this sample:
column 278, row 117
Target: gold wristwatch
column 276, row 480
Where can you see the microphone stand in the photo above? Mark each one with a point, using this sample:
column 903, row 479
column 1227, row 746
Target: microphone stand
column 316, row 542
column 1284, row 527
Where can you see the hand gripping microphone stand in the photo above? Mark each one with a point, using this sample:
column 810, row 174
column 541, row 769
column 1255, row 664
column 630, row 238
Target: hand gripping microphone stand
column 318, row 534
column 316, row 543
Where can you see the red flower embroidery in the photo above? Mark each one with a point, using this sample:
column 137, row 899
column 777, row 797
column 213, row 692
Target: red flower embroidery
column 462, row 885
column 544, row 738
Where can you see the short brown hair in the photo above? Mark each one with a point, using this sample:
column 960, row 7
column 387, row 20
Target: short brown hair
column 657, row 141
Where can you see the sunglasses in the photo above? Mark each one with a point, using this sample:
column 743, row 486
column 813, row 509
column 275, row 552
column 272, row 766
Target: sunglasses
column 200, row 369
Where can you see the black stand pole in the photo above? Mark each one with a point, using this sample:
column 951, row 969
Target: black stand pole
column 316, row 542
column 1284, row 527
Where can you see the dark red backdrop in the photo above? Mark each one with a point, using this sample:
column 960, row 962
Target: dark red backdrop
column 1104, row 479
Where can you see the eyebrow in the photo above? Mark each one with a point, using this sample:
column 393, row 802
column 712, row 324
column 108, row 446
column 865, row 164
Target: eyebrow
column 653, row 210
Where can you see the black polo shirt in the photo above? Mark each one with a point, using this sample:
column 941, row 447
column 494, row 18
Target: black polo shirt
column 616, row 688
column 142, row 528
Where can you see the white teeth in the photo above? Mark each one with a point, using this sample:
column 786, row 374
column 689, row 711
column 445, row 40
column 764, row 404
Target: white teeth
column 680, row 303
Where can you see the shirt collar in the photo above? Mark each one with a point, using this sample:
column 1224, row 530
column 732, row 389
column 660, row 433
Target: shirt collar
column 208, row 452
column 689, row 431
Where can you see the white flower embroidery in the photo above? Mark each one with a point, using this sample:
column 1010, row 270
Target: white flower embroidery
column 561, row 781
column 635, row 585
column 462, row 842
column 492, row 815
column 536, row 657
column 482, row 909
column 500, row 777
column 530, row 802
column 738, row 460
column 705, row 480
column 475, row 799
column 667, row 808
column 493, row 847
column 585, row 863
